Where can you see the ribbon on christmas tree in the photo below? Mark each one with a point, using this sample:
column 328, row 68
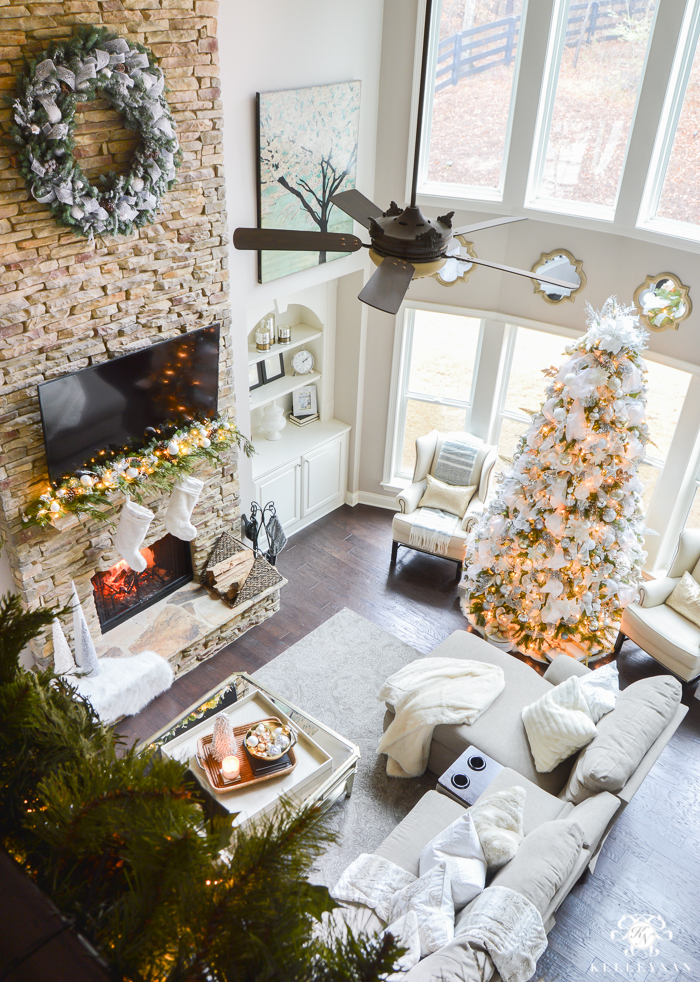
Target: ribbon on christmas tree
column 168, row 455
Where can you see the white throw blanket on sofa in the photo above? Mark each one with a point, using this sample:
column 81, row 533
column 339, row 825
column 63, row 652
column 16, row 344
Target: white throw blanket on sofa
column 428, row 692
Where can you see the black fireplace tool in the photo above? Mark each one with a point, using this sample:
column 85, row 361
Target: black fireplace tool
column 265, row 518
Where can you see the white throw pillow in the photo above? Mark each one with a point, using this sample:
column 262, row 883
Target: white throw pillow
column 446, row 497
column 498, row 820
column 458, row 845
column 557, row 724
column 600, row 690
column 430, row 897
column 685, row 599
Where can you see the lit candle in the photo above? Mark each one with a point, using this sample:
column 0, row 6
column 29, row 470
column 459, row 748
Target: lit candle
column 230, row 768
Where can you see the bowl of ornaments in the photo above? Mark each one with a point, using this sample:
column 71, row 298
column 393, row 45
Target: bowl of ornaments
column 269, row 740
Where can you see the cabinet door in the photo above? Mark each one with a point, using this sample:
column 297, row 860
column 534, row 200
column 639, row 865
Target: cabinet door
column 283, row 486
column 324, row 477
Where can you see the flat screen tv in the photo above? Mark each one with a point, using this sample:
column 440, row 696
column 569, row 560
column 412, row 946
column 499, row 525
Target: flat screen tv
column 113, row 403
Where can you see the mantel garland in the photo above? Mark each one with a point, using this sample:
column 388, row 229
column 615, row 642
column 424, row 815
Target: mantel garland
column 137, row 471
column 95, row 63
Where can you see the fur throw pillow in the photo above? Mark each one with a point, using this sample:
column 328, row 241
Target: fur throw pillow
column 498, row 820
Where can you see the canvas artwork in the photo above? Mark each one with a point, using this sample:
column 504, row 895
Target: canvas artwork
column 307, row 153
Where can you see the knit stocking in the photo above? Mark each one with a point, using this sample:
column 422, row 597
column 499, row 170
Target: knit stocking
column 133, row 525
column 182, row 501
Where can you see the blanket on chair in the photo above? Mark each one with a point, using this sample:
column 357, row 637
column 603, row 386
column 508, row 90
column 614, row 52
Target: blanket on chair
column 427, row 692
column 432, row 529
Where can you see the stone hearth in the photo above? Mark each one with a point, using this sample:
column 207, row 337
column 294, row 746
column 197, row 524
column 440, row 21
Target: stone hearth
column 188, row 626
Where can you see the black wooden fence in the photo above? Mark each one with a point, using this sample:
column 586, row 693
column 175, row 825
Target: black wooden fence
column 479, row 49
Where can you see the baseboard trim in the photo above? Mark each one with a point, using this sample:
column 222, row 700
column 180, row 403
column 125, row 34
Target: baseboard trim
column 353, row 498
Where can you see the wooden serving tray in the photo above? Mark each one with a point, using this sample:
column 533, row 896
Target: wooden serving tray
column 212, row 768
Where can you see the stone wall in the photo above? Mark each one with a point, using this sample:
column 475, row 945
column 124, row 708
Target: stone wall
column 66, row 303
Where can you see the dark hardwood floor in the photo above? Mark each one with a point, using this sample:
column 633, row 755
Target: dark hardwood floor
column 650, row 864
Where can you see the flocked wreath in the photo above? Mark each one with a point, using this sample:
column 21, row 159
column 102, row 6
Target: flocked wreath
column 95, row 63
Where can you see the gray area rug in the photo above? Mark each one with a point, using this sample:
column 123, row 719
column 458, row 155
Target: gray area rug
column 335, row 674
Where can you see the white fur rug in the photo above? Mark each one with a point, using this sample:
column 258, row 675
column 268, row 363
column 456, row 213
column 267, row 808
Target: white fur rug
column 125, row 685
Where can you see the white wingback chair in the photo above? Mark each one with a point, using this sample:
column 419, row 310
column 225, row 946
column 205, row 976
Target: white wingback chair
column 670, row 639
column 427, row 452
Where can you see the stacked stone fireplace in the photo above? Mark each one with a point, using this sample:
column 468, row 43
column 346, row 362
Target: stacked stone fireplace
column 68, row 303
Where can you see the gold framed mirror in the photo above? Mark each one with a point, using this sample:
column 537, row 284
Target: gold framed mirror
column 453, row 271
column 563, row 266
column 663, row 302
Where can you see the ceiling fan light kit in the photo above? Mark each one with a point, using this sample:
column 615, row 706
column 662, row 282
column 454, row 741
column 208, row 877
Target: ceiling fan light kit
column 404, row 243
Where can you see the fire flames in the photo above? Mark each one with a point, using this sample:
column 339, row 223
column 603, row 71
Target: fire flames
column 113, row 579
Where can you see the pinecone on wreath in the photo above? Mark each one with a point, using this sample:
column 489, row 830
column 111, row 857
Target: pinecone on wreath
column 223, row 741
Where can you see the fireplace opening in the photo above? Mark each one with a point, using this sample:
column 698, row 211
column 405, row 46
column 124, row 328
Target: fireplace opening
column 120, row 592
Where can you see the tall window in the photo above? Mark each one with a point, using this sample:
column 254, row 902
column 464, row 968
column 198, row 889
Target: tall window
column 667, row 389
column 672, row 195
column 437, row 375
column 524, row 385
column 475, row 47
column 595, row 62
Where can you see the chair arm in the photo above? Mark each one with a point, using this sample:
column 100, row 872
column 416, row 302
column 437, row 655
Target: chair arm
column 687, row 553
column 652, row 593
column 475, row 510
column 408, row 498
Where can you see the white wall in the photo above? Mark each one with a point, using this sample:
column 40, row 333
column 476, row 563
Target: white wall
column 614, row 264
column 283, row 45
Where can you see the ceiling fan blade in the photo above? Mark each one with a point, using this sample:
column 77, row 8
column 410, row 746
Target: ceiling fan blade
column 519, row 272
column 291, row 240
column 354, row 204
column 387, row 286
column 489, row 224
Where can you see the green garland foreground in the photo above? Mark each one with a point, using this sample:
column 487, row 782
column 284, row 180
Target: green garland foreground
column 95, row 63
column 121, row 844
column 170, row 453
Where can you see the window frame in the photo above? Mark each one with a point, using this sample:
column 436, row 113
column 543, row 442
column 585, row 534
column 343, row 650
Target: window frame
column 400, row 393
column 548, row 95
column 437, row 189
column 676, row 89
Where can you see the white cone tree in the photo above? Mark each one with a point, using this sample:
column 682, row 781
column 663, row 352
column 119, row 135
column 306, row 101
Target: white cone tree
column 558, row 553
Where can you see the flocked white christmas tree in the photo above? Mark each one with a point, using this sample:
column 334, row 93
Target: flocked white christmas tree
column 558, row 553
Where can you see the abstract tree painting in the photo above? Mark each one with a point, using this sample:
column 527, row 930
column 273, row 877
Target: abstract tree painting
column 307, row 153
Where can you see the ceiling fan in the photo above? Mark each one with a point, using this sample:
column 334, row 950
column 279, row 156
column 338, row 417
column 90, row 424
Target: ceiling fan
column 404, row 244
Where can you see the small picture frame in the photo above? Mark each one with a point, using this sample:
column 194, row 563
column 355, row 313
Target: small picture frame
column 304, row 401
column 272, row 368
column 255, row 377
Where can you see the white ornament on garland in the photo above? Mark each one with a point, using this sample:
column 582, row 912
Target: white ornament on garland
column 558, row 553
column 96, row 63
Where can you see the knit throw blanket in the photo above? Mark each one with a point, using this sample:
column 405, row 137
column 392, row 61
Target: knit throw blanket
column 432, row 529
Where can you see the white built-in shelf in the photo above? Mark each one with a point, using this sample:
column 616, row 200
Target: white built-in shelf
column 294, row 442
column 280, row 387
column 301, row 334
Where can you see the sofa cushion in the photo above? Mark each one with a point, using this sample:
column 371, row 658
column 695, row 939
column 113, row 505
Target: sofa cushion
column 540, row 806
column 543, row 862
column 433, row 813
column 430, row 898
column 456, row 962
column 685, row 598
column 498, row 819
column 594, row 815
column 446, row 497
column 643, row 711
column 499, row 732
column 557, row 724
column 458, row 845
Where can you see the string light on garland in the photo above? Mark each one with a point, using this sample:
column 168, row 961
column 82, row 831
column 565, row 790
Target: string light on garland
column 95, row 63
column 169, row 453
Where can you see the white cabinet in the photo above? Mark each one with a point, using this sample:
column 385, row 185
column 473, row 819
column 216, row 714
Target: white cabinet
column 283, row 486
column 312, row 480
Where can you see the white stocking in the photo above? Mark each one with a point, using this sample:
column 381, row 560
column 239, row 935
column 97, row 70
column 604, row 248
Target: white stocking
column 133, row 525
column 182, row 501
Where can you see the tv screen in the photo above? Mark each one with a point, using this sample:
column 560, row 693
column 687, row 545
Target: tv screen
column 114, row 402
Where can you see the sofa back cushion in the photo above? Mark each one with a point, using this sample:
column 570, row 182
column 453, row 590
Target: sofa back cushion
column 543, row 862
column 643, row 711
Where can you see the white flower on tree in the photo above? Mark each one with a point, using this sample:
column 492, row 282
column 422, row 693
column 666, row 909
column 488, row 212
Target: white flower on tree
column 559, row 551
